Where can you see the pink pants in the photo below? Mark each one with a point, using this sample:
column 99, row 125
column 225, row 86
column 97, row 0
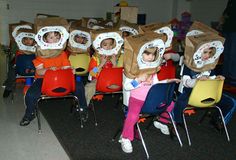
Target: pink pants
column 134, row 109
column 166, row 115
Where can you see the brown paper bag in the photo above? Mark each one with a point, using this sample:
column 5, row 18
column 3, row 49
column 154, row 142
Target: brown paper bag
column 22, row 33
column 13, row 28
column 199, row 28
column 44, row 25
column 99, row 35
column 160, row 28
column 134, row 47
column 194, row 48
column 125, row 26
column 76, row 47
column 90, row 22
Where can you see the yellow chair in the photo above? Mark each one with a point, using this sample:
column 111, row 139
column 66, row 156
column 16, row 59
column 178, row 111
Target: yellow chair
column 206, row 94
column 80, row 63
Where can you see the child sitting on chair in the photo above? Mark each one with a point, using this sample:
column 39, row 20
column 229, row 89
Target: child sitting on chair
column 198, row 66
column 25, row 54
column 48, row 59
column 105, row 57
column 139, row 88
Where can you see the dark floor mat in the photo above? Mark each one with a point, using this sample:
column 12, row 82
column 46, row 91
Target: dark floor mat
column 95, row 142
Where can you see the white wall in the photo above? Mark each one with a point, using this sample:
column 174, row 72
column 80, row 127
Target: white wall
column 156, row 10
column 207, row 11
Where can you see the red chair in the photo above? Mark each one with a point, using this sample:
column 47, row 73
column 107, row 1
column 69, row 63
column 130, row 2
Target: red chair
column 108, row 82
column 58, row 84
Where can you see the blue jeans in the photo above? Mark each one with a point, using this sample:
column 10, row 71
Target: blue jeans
column 34, row 92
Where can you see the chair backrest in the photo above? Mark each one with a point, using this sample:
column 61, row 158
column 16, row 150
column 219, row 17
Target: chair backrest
column 159, row 98
column 80, row 62
column 23, row 63
column 110, row 80
column 58, row 83
column 206, row 93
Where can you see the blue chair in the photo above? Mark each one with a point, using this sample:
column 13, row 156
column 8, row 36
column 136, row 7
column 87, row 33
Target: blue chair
column 158, row 99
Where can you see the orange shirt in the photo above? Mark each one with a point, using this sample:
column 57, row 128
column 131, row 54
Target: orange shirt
column 59, row 61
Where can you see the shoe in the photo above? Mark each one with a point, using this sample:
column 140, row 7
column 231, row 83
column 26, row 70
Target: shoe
column 6, row 93
column 26, row 121
column 126, row 145
column 164, row 128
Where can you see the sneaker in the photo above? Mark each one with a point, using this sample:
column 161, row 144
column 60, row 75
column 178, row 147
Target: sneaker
column 6, row 93
column 126, row 145
column 164, row 128
column 26, row 121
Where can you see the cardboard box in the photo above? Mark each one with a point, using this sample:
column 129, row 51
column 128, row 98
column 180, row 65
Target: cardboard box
column 129, row 14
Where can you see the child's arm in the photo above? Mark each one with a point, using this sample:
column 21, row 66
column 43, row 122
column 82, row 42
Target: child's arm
column 131, row 84
column 114, row 60
column 173, row 56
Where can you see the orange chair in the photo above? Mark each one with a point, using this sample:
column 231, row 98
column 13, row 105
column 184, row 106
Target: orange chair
column 58, row 84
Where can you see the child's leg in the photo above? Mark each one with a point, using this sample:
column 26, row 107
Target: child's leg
column 180, row 105
column 80, row 93
column 134, row 109
column 31, row 98
column 227, row 105
column 165, row 116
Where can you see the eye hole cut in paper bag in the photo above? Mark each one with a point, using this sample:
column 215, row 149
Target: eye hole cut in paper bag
column 79, row 39
column 195, row 46
column 51, row 24
column 160, row 28
column 25, row 33
column 134, row 48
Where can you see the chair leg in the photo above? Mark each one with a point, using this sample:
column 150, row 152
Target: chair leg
column 186, row 129
column 94, row 113
column 223, row 120
column 77, row 108
column 143, row 143
column 116, row 134
column 38, row 117
column 175, row 128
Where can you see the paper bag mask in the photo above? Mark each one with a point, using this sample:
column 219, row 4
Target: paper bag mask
column 134, row 48
column 46, row 25
column 160, row 28
column 195, row 46
column 25, row 33
column 79, row 39
column 99, row 35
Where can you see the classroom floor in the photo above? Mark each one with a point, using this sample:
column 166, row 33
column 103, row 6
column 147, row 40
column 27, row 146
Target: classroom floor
column 18, row 142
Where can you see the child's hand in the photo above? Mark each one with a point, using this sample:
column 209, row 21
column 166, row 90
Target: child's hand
column 53, row 68
column 167, row 56
column 103, row 60
column 113, row 60
column 142, row 77
column 174, row 80
column 220, row 77
column 203, row 78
